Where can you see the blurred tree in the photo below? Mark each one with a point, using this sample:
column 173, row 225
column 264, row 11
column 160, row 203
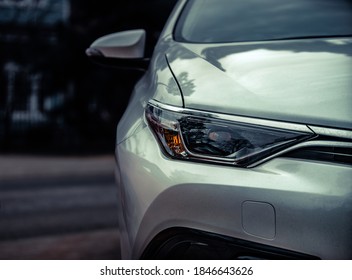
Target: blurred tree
column 82, row 100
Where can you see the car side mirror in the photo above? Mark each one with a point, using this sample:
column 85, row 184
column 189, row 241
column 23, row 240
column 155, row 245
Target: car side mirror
column 122, row 50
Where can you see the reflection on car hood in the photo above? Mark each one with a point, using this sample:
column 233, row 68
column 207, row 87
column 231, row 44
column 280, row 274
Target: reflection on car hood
column 304, row 81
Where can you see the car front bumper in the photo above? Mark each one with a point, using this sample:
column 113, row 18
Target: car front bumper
column 297, row 205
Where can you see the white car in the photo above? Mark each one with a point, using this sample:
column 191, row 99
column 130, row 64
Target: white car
column 237, row 140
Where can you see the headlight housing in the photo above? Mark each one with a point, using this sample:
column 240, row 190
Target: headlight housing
column 202, row 137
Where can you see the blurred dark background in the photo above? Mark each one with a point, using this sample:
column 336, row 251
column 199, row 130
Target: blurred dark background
column 53, row 100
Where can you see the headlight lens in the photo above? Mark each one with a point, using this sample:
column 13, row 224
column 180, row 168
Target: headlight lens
column 186, row 136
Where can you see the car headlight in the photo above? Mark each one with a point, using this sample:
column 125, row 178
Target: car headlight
column 187, row 136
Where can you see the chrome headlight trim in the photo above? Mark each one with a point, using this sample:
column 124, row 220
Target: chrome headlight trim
column 233, row 118
column 318, row 130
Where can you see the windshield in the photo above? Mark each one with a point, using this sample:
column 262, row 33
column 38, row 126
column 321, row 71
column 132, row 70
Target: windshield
column 211, row 21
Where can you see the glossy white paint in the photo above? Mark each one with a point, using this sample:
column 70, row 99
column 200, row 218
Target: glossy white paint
column 125, row 44
column 312, row 201
column 307, row 205
column 310, row 79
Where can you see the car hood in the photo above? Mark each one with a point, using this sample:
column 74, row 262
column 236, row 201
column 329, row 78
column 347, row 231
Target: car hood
column 302, row 81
